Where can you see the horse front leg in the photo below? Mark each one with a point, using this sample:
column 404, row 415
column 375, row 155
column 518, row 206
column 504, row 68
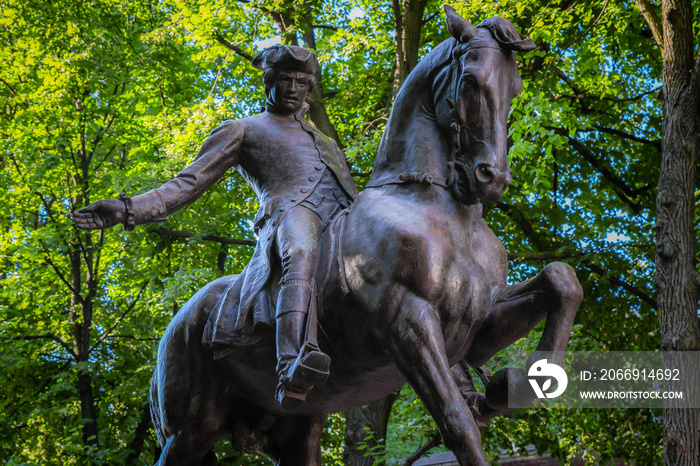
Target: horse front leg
column 555, row 293
column 417, row 346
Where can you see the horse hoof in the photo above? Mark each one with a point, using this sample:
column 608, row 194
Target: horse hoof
column 477, row 404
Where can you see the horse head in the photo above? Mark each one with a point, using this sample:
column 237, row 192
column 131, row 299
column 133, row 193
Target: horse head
column 473, row 93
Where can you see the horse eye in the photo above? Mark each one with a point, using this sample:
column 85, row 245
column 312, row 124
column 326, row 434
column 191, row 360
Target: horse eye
column 472, row 55
column 469, row 78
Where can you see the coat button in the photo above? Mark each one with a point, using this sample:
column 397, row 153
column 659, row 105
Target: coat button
column 281, row 209
column 294, row 199
column 304, row 190
column 312, row 178
column 319, row 167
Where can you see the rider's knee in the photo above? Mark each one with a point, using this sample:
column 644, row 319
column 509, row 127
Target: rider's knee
column 299, row 260
column 562, row 278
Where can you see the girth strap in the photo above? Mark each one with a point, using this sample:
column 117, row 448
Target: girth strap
column 416, row 177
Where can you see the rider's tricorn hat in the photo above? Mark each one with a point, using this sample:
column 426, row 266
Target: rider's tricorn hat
column 288, row 57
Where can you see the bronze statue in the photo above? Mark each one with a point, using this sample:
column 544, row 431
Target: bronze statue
column 302, row 181
column 409, row 281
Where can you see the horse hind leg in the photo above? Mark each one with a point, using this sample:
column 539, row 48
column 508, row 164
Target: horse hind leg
column 555, row 294
column 191, row 446
column 295, row 441
column 417, row 346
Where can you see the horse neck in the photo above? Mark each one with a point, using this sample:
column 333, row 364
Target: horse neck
column 412, row 141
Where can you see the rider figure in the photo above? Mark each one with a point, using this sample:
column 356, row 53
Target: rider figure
column 302, row 181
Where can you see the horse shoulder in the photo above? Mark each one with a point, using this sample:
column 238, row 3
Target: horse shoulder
column 397, row 244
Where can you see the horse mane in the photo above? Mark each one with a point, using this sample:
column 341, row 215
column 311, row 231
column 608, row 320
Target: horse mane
column 503, row 32
column 432, row 73
column 507, row 36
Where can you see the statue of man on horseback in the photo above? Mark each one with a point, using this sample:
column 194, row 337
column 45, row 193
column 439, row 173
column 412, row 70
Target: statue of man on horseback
column 302, row 180
column 405, row 284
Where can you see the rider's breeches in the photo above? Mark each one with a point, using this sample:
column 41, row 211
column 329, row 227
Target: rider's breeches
column 298, row 247
column 297, row 241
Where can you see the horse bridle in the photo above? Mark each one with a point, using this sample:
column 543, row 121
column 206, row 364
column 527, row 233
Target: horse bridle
column 456, row 126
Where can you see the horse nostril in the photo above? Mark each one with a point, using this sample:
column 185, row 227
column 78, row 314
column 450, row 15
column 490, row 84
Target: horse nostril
column 483, row 173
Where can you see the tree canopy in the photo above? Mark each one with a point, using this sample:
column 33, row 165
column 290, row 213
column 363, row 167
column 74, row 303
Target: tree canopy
column 101, row 97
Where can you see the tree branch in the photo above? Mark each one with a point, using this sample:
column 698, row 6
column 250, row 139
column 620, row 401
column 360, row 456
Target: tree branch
column 120, row 318
column 540, row 256
column 590, row 26
column 652, row 18
column 435, row 441
column 577, row 90
column 324, row 26
column 217, row 239
column 139, row 437
column 45, row 336
column 14, row 93
column 432, row 17
column 239, row 51
column 9, row 87
column 611, row 99
column 603, row 170
column 631, row 137
column 524, row 224
column 65, row 282
column 10, row 413
column 617, row 281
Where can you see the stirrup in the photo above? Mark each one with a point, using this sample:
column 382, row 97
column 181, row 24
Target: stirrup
column 309, row 369
column 288, row 398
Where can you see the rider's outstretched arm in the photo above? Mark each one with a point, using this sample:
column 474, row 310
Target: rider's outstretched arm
column 219, row 152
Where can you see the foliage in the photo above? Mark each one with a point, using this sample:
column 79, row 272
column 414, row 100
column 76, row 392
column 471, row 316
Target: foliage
column 102, row 97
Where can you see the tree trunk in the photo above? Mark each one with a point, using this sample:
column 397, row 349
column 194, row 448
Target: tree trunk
column 81, row 343
column 676, row 279
column 360, row 423
column 136, row 445
column 408, row 22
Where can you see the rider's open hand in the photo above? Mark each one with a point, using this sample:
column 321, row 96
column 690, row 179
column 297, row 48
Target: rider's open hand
column 100, row 215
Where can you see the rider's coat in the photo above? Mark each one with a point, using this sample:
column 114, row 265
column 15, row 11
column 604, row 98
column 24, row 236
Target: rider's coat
column 282, row 157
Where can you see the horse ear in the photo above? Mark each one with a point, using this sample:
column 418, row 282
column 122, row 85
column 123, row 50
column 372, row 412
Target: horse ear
column 460, row 28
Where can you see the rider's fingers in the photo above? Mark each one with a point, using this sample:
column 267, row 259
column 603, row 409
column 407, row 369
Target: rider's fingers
column 86, row 222
column 85, row 225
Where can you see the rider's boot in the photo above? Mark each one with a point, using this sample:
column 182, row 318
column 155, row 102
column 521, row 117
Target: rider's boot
column 300, row 367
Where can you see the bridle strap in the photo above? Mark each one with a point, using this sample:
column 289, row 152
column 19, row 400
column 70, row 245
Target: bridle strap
column 416, row 177
column 456, row 125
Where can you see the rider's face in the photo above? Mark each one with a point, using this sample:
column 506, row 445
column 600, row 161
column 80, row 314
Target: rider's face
column 289, row 90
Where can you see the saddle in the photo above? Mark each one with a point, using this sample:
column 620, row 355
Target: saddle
column 229, row 327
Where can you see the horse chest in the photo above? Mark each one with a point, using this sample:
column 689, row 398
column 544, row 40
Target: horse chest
column 477, row 270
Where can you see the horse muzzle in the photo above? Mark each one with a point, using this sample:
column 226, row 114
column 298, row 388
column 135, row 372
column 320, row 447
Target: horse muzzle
column 489, row 182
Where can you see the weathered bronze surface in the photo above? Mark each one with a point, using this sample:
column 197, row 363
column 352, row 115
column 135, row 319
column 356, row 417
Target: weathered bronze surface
column 409, row 280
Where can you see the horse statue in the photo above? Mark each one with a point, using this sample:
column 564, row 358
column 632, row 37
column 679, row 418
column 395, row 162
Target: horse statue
column 411, row 281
